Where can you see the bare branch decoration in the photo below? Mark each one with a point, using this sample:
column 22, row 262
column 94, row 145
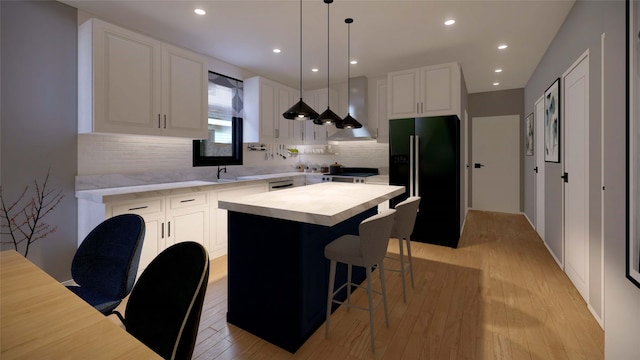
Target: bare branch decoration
column 22, row 220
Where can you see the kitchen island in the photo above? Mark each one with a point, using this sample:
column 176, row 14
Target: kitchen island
column 278, row 275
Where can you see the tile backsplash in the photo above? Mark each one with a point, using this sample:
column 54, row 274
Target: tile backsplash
column 121, row 160
column 109, row 154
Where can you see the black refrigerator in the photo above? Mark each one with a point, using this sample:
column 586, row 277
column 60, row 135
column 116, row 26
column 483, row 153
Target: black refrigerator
column 424, row 156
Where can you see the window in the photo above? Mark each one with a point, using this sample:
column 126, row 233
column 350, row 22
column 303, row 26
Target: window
column 224, row 145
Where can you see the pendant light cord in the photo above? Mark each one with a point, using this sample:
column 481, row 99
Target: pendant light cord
column 348, row 67
column 328, row 96
column 300, row 49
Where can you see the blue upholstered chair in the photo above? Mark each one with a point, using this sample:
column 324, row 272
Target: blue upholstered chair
column 106, row 262
column 163, row 310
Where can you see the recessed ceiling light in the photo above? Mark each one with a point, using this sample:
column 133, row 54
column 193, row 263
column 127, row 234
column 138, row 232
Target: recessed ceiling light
column 502, row 46
column 276, row 50
column 199, row 11
column 497, row 70
column 314, row 69
column 496, row 83
column 353, row 62
column 449, row 22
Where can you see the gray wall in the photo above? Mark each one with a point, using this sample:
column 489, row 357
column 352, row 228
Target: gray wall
column 39, row 117
column 496, row 103
column 581, row 31
column 621, row 298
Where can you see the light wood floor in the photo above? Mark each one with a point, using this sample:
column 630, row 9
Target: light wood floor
column 500, row 295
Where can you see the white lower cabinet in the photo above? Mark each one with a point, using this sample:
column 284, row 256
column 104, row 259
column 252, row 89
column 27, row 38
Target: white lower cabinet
column 168, row 220
column 218, row 235
column 171, row 217
column 188, row 219
column 152, row 211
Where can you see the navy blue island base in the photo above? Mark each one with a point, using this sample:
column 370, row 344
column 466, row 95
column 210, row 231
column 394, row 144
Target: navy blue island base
column 278, row 276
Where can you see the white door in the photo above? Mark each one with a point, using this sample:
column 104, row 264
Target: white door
column 496, row 163
column 538, row 118
column 576, row 166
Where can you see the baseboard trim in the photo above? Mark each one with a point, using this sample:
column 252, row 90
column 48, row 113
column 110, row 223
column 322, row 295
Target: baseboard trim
column 464, row 222
column 529, row 220
column 596, row 316
column 553, row 256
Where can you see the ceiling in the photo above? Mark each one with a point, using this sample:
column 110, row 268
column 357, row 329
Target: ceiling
column 386, row 35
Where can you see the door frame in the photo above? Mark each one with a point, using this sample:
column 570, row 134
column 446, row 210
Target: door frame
column 475, row 121
column 578, row 61
column 465, row 127
column 539, row 188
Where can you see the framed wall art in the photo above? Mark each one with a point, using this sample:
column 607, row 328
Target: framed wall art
column 528, row 135
column 552, row 122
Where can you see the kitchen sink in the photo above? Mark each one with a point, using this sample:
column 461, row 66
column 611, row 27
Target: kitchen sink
column 226, row 180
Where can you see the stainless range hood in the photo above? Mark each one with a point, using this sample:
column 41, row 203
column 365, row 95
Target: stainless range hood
column 357, row 109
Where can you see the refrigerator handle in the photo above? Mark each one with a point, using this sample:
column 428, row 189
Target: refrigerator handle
column 416, row 166
column 411, row 165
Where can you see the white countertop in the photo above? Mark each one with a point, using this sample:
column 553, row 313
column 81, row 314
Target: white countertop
column 160, row 189
column 271, row 176
column 324, row 204
column 121, row 193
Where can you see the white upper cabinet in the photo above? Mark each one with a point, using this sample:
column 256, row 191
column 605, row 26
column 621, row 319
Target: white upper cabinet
column 184, row 92
column 129, row 83
column 264, row 103
column 427, row 91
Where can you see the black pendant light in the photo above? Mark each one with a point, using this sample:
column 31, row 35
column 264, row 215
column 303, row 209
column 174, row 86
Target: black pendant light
column 349, row 122
column 300, row 111
column 328, row 117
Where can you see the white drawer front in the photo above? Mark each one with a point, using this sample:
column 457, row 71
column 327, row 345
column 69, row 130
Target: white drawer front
column 182, row 201
column 140, row 207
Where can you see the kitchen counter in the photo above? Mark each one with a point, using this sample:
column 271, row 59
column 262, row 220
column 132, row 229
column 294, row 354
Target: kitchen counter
column 322, row 204
column 277, row 273
column 275, row 177
column 161, row 189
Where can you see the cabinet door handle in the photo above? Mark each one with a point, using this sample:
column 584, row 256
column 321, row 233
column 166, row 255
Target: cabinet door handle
column 162, row 231
column 421, row 107
column 188, row 200
column 165, row 121
column 417, row 108
column 158, row 121
column 169, row 229
column 277, row 133
column 138, row 208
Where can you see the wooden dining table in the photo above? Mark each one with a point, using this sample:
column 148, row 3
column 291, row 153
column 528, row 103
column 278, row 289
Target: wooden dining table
column 41, row 319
